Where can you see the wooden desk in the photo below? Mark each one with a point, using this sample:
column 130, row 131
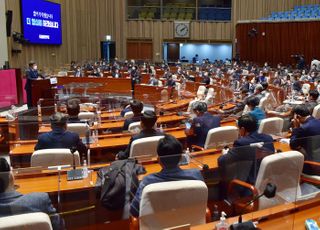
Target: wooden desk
column 111, row 141
column 48, row 183
column 174, row 105
column 118, row 124
column 280, row 217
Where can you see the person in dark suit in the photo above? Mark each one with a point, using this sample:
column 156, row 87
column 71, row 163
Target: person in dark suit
column 197, row 133
column 14, row 203
column 59, row 137
column 153, row 80
column 73, row 110
column 148, row 121
column 136, row 108
column 243, row 155
column 169, row 153
column 305, row 127
column 31, row 74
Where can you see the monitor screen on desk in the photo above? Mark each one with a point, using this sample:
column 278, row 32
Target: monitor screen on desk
column 41, row 22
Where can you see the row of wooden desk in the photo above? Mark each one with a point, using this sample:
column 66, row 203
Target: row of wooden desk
column 46, row 181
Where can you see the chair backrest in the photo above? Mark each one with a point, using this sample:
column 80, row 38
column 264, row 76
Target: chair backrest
column 283, row 170
column 164, row 95
column 52, row 157
column 201, row 90
column 128, row 115
column 221, row 136
column 316, row 112
column 174, row 203
column 134, row 127
column 145, row 147
column 305, row 88
column 210, row 92
column 80, row 128
column 86, row 116
column 30, row 221
column 271, row 125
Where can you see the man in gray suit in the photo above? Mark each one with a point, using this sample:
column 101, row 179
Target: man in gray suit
column 13, row 202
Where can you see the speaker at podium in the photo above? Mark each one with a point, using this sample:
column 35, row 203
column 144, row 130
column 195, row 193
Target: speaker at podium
column 108, row 50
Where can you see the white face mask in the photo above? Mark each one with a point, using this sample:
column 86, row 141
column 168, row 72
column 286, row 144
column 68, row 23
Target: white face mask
column 35, row 67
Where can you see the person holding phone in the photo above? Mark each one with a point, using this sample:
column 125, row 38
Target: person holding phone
column 304, row 127
column 198, row 129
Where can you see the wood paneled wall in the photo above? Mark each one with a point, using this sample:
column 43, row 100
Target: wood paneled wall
column 86, row 22
column 280, row 41
column 84, row 25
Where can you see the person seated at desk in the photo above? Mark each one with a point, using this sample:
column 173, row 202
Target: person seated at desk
column 201, row 124
column 59, row 137
column 153, row 80
column 116, row 73
column 239, row 106
column 73, row 110
column 170, row 82
column 243, row 156
column 305, row 126
column 169, row 153
column 255, row 111
column 312, row 99
column 14, row 203
column 136, row 107
column 148, row 120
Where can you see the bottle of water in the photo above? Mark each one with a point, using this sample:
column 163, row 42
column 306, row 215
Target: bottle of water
column 187, row 154
column 84, row 169
column 161, row 129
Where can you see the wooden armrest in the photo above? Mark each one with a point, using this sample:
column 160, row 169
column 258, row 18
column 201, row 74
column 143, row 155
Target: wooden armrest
column 134, row 223
column 246, row 185
column 208, row 215
column 313, row 163
column 235, row 182
column 197, row 148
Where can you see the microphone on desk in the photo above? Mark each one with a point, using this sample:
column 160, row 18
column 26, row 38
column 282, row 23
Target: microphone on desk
column 269, row 192
column 201, row 165
column 74, row 174
column 73, row 150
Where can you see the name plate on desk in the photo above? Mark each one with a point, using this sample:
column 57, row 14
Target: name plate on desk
column 53, row 81
column 75, row 174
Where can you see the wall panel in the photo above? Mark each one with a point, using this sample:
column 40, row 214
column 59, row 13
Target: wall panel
column 281, row 40
column 86, row 22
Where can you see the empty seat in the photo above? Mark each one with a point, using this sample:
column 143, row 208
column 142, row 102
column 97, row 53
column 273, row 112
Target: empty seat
column 80, row 128
column 86, row 116
column 271, row 125
column 221, row 137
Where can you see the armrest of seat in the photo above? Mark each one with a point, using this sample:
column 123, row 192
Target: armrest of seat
column 236, row 182
column 134, row 223
column 197, row 148
column 314, row 167
column 208, row 215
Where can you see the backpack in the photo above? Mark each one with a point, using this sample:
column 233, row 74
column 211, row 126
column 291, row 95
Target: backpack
column 117, row 182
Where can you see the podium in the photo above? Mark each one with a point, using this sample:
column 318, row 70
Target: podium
column 42, row 89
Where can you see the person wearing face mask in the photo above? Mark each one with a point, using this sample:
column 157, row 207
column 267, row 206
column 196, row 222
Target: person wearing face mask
column 31, row 75
column 243, row 151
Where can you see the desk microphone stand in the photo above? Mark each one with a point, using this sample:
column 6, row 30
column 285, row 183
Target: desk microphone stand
column 59, row 167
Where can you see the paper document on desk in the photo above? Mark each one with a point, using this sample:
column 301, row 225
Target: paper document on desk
column 285, row 140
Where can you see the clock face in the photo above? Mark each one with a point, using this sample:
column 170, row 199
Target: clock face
column 182, row 30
